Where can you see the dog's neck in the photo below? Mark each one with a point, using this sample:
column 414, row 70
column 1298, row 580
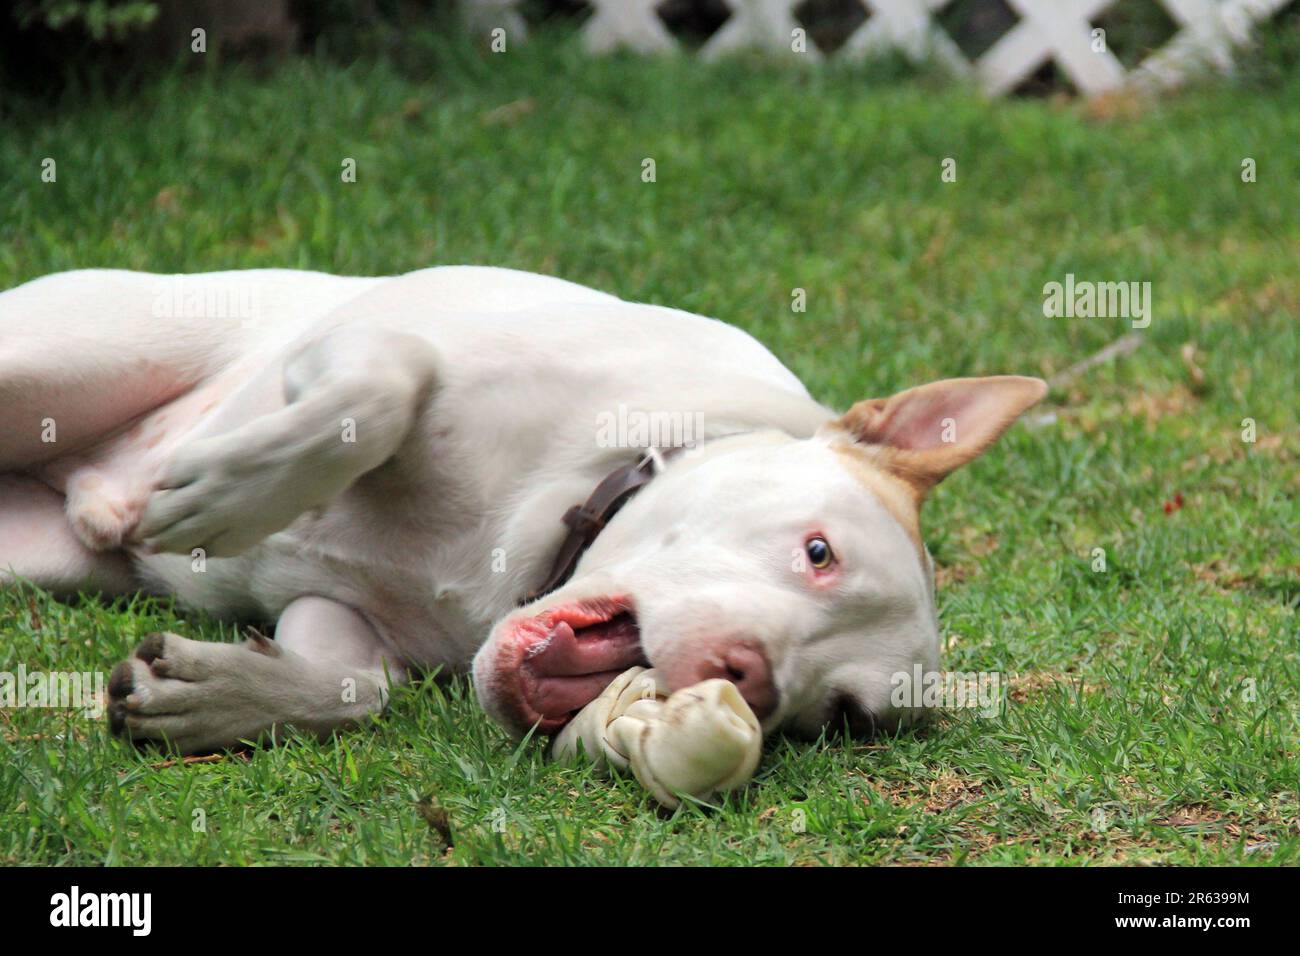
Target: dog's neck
column 585, row 521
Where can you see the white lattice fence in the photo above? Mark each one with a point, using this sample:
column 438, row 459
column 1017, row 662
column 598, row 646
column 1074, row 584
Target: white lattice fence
column 1061, row 31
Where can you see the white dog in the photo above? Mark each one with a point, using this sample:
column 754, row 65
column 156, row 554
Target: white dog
column 383, row 464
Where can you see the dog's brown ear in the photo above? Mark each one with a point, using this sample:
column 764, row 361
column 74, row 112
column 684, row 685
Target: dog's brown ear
column 923, row 434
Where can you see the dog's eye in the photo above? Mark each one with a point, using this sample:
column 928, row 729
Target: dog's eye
column 819, row 553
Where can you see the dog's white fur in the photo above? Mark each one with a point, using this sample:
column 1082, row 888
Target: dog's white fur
column 381, row 463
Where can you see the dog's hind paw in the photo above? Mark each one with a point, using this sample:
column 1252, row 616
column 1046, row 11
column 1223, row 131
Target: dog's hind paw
column 101, row 516
column 185, row 695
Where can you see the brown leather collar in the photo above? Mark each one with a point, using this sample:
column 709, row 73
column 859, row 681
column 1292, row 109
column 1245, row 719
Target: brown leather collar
column 588, row 519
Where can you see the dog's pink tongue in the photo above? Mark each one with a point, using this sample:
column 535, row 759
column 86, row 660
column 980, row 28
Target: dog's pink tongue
column 566, row 671
column 561, row 696
column 613, row 646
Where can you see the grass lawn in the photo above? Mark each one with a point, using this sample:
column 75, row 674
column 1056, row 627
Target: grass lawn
column 1152, row 710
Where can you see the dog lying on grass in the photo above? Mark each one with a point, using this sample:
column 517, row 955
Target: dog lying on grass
column 388, row 468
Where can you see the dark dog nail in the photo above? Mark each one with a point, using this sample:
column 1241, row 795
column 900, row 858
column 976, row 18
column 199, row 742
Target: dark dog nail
column 117, row 719
column 120, row 681
column 257, row 641
column 151, row 648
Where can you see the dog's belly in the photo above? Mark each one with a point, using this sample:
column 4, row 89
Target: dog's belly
column 138, row 450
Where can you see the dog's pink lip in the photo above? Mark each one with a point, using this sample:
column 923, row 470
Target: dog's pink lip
column 555, row 662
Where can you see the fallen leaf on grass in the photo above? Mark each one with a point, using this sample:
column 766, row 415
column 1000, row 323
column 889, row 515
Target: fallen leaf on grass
column 205, row 758
column 509, row 113
column 436, row 815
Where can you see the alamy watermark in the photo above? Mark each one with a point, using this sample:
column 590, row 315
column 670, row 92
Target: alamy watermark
column 953, row 690
column 182, row 297
column 634, row 428
column 1102, row 300
column 62, row 690
column 133, row 911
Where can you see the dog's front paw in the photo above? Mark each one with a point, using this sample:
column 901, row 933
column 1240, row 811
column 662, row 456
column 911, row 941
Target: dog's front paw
column 212, row 497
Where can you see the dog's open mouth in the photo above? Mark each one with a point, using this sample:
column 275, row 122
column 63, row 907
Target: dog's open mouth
column 551, row 665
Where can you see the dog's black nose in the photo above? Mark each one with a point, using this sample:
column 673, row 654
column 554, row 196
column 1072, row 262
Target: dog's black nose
column 848, row 713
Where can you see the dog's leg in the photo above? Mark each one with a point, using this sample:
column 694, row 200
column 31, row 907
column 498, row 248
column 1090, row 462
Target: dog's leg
column 82, row 353
column 351, row 397
column 38, row 545
column 326, row 670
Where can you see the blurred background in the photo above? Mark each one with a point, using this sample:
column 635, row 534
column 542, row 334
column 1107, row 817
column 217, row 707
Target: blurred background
column 46, row 43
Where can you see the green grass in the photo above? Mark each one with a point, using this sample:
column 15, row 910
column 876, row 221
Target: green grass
column 1162, row 692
